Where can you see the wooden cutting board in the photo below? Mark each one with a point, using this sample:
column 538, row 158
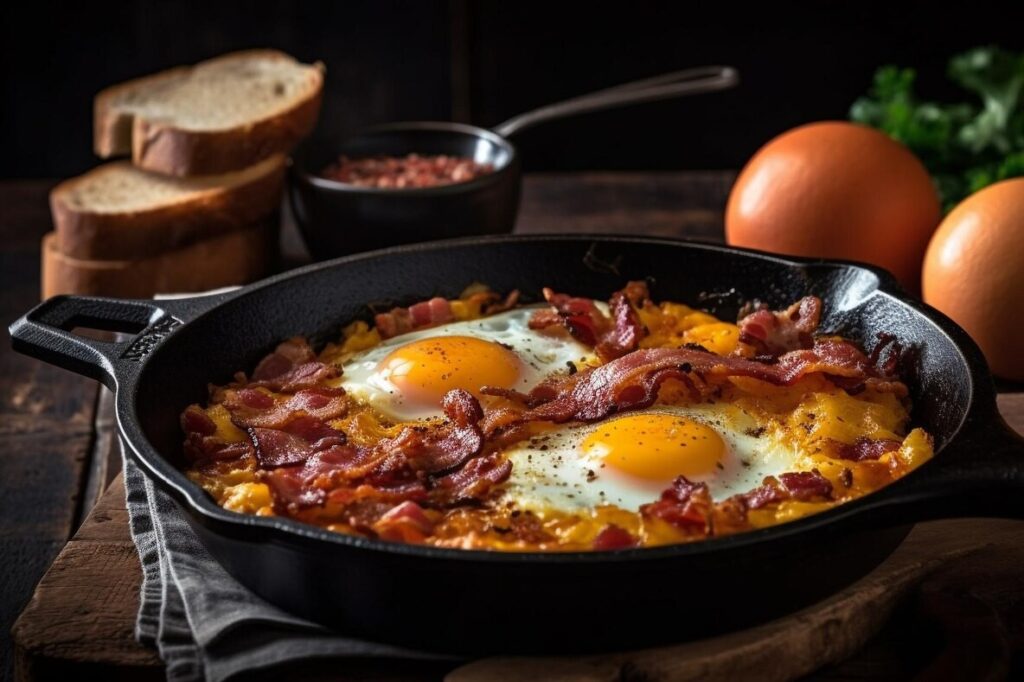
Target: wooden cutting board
column 965, row 573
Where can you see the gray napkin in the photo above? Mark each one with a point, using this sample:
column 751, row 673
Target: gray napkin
column 206, row 625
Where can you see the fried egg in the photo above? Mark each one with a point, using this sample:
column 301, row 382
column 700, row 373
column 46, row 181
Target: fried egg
column 405, row 377
column 628, row 460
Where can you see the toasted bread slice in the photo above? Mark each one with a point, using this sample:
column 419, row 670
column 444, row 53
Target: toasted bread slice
column 218, row 116
column 233, row 258
column 118, row 212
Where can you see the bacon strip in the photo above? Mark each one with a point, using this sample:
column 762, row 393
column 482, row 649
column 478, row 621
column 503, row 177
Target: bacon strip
column 195, row 420
column 626, row 329
column 685, row 504
column 308, row 484
column 773, row 333
column 424, row 314
column 797, row 485
column 308, row 375
column 291, row 488
column 288, row 354
column 291, row 367
column 200, row 441
column 434, row 450
column 412, row 461
column 405, row 522
column 250, row 407
column 632, row 381
column 611, row 337
column 294, row 441
column 472, row 481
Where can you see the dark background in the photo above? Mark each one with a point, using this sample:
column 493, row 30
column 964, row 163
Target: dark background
column 483, row 62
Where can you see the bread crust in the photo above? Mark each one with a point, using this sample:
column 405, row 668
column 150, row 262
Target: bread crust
column 165, row 148
column 234, row 258
column 138, row 234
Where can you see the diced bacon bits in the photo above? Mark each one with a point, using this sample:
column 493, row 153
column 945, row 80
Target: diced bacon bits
column 611, row 336
column 406, row 172
column 424, row 314
column 774, row 333
column 613, row 537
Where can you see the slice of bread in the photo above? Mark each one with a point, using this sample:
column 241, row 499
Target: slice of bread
column 233, row 258
column 218, row 116
column 118, row 212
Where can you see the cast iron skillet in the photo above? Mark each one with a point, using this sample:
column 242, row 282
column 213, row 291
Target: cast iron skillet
column 474, row 601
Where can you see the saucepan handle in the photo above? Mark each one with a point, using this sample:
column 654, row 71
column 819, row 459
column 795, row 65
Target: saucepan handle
column 665, row 86
column 980, row 473
column 129, row 330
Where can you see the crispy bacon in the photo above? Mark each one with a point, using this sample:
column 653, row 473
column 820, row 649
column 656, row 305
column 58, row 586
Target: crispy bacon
column 395, row 464
column 213, row 448
column 798, row 485
column 626, row 329
column 437, row 311
column 195, row 420
column 251, row 407
column 473, row 480
column 308, row 484
column 611, row 336
column 200, row 441
column 438, row 449
column 405, row 522
column 632, row 381
column 807, row 485
column 291, row 367
column 580, row 316
column 685, row 504
column 288, row 354
column 294, row 441
column 769, row 492
column 613, row 537
column 866, row 448
column 423, row 314
column 393, row 494
column 773, row 333
column 493, row 303
column 291, row 489
column 308, row 375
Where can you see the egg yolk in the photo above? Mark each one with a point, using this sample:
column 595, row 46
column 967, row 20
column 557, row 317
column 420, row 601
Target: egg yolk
column 423, row 371
column 656, row 447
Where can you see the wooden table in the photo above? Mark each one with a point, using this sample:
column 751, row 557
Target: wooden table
column 57, row 457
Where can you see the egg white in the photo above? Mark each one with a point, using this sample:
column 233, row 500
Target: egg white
column 552, row 472
column 542, row 353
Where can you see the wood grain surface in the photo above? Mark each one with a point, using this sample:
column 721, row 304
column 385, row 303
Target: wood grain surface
column 46, row 422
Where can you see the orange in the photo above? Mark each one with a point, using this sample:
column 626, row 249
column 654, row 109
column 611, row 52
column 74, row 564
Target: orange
column 974, row 272
column 836, row 190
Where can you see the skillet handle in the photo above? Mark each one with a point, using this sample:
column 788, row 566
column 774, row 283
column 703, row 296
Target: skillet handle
column 665, row 86
column 981, row 474
column 47, row 332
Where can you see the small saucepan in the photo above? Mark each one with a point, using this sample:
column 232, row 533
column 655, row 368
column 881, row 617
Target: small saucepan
column 338, row 219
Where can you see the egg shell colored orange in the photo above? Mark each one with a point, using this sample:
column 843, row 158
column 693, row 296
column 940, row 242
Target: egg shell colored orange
column 974, row 272
column 836, row 190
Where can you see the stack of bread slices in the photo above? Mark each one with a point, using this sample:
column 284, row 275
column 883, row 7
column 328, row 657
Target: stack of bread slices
column 198, row 205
